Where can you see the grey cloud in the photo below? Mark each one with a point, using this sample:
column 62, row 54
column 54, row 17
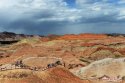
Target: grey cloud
column 55, row 17
column 31, row 27
column 97, row 1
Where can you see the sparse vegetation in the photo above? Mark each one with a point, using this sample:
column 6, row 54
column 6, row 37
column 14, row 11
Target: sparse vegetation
column 30, row 40
column 17, row 74
column 117, row 56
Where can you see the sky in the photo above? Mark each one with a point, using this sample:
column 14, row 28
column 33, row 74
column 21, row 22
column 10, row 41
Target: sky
column 62, row 16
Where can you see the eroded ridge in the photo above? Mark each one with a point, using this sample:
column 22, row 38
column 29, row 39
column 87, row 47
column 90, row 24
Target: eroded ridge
column 109, row 69
column 19, row 64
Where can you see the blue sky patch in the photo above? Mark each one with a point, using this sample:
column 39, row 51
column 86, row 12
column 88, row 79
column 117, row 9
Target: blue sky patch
column 71, row 3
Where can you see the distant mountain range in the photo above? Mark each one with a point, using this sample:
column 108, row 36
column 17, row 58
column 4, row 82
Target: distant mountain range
column 115, row 34
column 10, row 36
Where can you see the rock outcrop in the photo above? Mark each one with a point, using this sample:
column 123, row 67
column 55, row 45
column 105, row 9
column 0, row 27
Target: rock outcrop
column 108, row 69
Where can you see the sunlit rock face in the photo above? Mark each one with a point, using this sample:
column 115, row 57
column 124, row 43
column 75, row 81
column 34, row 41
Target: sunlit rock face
column 108, row 69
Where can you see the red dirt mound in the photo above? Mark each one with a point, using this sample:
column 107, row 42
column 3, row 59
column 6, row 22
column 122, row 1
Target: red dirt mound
column 53, row 75
column 83, row 36
column 60, row 75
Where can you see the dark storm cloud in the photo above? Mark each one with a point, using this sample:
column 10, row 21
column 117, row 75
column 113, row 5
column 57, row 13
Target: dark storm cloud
column 101, row 18
column 37, row 14
column 62, row 16
column 31, row 27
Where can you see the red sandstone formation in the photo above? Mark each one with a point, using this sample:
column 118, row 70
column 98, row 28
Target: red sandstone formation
column 83, row 36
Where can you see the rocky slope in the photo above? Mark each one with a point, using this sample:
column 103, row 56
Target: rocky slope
column 108, row 70
column 9, row 36
column 76, row 51
column 54, row 75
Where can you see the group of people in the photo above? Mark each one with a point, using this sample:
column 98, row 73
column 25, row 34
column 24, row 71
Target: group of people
column 55, row 64
column 19, row 65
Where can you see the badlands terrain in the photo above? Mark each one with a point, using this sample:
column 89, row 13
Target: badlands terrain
column 83, row 58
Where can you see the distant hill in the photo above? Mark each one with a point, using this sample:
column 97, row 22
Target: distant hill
column 115, row 34
column 10, row 37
